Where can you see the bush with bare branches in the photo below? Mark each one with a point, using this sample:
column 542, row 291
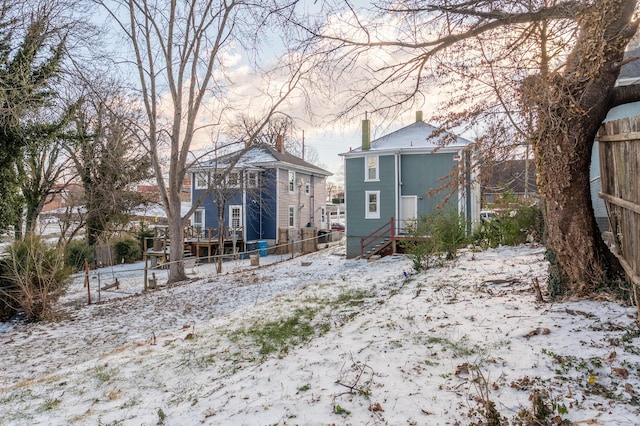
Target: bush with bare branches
column 33, row 277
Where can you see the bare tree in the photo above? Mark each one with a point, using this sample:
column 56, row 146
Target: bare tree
column 107, row 156
column 543, row 70
column 178, row 51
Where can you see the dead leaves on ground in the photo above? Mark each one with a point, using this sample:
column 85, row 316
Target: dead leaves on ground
column 537, row 331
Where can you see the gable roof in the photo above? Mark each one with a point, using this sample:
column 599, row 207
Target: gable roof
column 415, row 137
column 262, row 156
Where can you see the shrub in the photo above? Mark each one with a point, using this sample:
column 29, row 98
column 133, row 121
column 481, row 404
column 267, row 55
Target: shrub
column 439, row 233
column 76, row 252
column 510, row 227
column 126, row 249
column 34, row 277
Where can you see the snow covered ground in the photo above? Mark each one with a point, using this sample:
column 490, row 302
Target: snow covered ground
column 321, row 340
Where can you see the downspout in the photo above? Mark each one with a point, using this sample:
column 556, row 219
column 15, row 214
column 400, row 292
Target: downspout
column 466, row 154
column 260, row 191
column 277, row 183
column 243, row 187
column 398, row 189
column 312, row 194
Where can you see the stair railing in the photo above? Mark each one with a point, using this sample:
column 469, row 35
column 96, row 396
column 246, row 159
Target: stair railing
column 385, row 231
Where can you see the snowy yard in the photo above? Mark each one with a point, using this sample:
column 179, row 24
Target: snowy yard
column 321, row 340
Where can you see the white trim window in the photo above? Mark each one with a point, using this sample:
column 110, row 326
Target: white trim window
column 201, row 180
column 235, row 216
column 233, row 180
column 292, row 181
column 197, row 220
column 372, row 205
column 252, row 179
column 292, row 216
column 371, row 168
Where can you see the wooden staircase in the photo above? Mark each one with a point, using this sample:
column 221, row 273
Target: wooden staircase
column 382, row 241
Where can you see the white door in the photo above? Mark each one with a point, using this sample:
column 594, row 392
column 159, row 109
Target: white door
column 323, row 218
column 408, row 213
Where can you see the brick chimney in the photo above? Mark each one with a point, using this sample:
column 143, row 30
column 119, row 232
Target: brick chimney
column 418, row 116
column 366, row 135
column 280, row 143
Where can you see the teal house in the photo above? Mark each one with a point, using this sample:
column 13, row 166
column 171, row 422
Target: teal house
column 392, row 180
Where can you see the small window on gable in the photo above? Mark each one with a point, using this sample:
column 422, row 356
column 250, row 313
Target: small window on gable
column 372, row 205
column 201, row 180
column 292, row 181
column 371, row 168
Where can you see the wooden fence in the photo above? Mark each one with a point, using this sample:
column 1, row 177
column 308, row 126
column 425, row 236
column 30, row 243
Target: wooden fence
column 619, row 146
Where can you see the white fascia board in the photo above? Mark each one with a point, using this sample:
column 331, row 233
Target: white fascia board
column 453, row 149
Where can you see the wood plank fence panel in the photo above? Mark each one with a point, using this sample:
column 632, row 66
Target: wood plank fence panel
column 619, row 145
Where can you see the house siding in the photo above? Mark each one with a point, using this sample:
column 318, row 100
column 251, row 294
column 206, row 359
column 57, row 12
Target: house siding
column 422, row 173
column 307, row 205
column 355, row 188
column 261, row 205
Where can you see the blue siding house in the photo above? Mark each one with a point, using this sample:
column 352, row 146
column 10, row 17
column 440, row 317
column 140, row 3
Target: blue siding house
column 263, row 189
column 395, row 179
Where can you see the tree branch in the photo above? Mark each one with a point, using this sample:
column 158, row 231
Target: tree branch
column 625, row 94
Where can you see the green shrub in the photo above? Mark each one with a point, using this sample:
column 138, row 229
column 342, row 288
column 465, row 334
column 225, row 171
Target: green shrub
column 126, row 250
column 34, row 277
column 511, row 227
column 440, row 233
column 76, row 252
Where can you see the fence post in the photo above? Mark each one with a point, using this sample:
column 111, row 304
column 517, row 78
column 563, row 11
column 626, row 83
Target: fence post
column 86, row 280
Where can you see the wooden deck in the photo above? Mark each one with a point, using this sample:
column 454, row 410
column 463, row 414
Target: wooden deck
column 201, row 243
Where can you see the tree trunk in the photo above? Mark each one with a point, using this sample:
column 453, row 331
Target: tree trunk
column 176, row 238
column 573, row 233
column 571, row 109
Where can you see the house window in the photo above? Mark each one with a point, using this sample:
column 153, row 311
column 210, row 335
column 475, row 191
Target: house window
column 252, row 179
column 235, row 216
column 292, row 216
column 201, row 180
column 372, row 206
column 292, row 181
column 307, row 188
column 371, row 169
column 197, row 220
column 233, row 179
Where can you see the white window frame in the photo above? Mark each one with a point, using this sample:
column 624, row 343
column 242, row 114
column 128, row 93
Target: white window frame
column 252, row 179
column 323, row 216
column 291, row 185
column 233, row 182
column 367, row 169
column 238, row 208
column 368, row 213
column 197, row 178
column 198, row 223
column 291, row 216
